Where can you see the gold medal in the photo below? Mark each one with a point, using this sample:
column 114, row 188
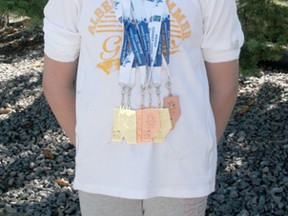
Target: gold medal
column 172, row 103
column 116, row 133
column 150, row 124
column 166, row 125
column 127, row 125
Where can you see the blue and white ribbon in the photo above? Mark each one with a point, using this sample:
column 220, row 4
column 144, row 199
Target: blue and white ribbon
column 146, row 27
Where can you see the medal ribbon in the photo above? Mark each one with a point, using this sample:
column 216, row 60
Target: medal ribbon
column 145, row 41
column 142, row 49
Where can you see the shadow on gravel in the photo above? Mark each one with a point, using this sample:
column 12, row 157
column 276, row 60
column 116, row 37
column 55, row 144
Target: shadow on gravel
column 28, row 176
column 253, row 159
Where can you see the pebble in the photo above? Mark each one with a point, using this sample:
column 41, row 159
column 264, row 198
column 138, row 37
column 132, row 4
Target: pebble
column 9, row 209
column 234, row 194
column 277, row 190
column 265, row 170
column 219, row 197
column 60, row 159
column 71, row 209
column 252, row 171
column 277, row 199
column 244, row 212
column 2, row 204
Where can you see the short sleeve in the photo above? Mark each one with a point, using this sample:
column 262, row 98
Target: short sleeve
column 223, row 36
column 61, row 35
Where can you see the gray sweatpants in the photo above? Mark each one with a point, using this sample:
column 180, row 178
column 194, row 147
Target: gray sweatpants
column 102, row 205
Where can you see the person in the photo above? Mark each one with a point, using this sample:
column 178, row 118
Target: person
column 84, row 42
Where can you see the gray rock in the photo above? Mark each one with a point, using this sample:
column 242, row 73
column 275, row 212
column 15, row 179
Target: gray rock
column 60, row 159
column 2, row 204
column 72, row 209
column 9, row 209
column 281, row 205
column 277, row 199
column 277, row 190
column 219, row 197
column 234, row 194
column 243, row 212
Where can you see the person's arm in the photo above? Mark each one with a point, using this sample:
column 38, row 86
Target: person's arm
column 223, row 83
column 59, row 90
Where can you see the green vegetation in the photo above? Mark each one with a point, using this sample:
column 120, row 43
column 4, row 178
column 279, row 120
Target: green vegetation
column 30, row 8
column 265, row 24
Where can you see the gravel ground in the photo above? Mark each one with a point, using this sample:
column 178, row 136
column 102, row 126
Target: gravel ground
column 37, row 161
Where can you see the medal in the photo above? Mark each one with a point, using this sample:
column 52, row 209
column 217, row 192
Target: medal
column 150, row 124
column 165, row 127
column 116, row 133
column 139, row 114
column 144, row 36
column 127, row 125
column 172, row 103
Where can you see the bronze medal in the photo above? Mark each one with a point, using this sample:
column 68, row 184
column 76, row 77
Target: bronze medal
column 139, row 115
column 150, row 124
column 172, row 103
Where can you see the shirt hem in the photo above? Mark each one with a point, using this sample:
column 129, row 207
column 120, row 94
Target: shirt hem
column 214, row 56
column 142, row 194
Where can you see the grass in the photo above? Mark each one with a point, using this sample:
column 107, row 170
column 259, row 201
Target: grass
column 31, row 8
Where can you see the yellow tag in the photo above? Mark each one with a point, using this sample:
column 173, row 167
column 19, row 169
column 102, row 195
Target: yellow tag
column 127, row 125
column 116, row 133
column 165, row 126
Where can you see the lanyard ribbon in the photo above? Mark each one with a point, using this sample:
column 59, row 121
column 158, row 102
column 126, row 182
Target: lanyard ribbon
column 143, row 41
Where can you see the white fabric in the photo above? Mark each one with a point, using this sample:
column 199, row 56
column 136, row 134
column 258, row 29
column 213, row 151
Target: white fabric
column 62, row 41
column 183, row 166
column 222, row 35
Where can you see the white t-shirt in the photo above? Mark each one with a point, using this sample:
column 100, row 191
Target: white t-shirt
column 185, row 164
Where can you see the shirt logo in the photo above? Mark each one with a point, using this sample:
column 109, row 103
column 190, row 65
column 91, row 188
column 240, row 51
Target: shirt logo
column 104, row 21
